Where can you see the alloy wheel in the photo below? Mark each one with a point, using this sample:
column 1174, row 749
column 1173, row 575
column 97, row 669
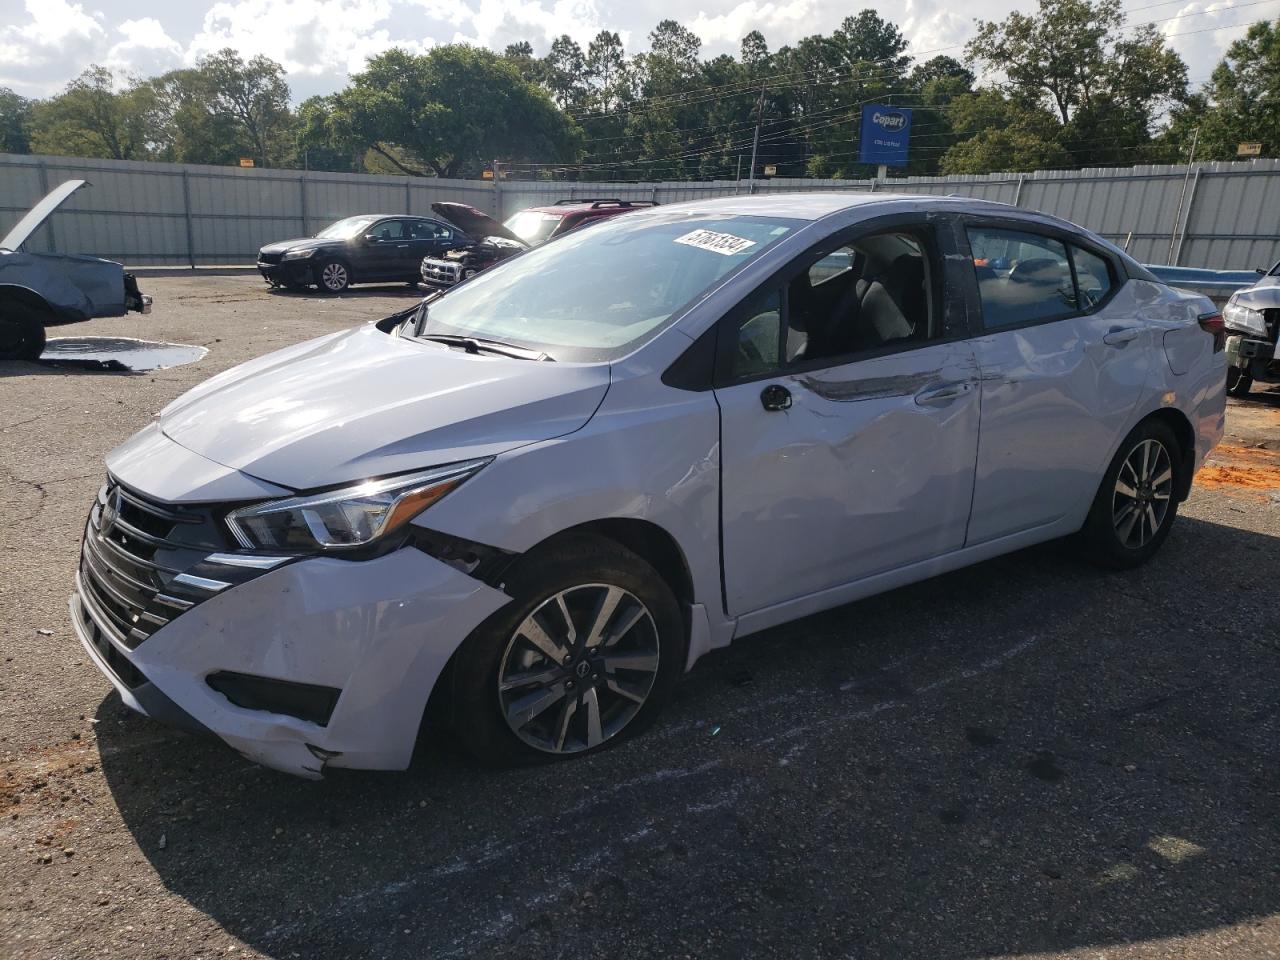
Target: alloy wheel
column 1143, row 488
column 578, row 668
column 334, row 276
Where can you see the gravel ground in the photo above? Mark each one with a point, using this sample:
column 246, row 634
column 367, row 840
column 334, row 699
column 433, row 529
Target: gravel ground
column 1028, row 758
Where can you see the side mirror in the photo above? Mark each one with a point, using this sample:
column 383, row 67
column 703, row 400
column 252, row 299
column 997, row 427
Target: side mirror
column 370, row 238
column 1259, row 271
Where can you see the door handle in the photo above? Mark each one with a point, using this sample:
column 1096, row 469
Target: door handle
column 402, row 246
column 775, row 397
column 944, row 394
column 1119, row 336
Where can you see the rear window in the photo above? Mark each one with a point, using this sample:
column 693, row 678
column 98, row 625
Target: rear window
column 1027, row 278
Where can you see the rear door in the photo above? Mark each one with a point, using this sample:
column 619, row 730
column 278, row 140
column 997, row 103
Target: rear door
column 849, row 417
column 1064, row 360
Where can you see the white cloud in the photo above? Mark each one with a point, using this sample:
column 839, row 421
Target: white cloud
column 496, row 23
column 1191, row 32
column 145, row 49
column 780, row 23
column 51, row 47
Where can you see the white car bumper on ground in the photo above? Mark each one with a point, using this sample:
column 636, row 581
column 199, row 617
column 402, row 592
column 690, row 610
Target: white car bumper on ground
column 353, row 647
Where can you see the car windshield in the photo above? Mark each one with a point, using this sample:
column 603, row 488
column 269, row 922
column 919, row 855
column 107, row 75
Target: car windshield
column 595, row 294
column 345, row 229
column 533, row 227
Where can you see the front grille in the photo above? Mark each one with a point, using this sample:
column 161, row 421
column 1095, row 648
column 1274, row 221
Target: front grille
column 269, row 257
column 442, row 272
column 116, row 661
column 134, row 559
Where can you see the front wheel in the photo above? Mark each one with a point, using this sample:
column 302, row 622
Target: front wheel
column 584, row 656
column 1136, row 503
column 1238, row 382
column 22, row 335
column 333, row 276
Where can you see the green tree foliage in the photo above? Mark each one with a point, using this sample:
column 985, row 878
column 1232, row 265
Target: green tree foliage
column 1241, row 103
column 1074, row 57
column 15, row 122
column 446, row 112
column 92, row 119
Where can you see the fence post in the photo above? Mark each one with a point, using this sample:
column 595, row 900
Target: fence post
column 408, row 197
column 186, row 211
column 1186, row 218
column 302, row 198
column 1017, row 193
column 44, row 190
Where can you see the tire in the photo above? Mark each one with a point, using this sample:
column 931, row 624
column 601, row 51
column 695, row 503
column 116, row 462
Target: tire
column 333, row 276
column 1238, row 382
column 1118, row 532
column 585, row 699
column 22, row 335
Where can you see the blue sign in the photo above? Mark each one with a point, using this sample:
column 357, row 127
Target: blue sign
column 885, row 133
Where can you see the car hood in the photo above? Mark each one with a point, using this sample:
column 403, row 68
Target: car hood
column 38, row 214
column 472, row 222
column 302, row 243
column 362, row 404
column 1263, row 295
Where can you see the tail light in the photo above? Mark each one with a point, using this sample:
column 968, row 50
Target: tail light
column 1212, row 324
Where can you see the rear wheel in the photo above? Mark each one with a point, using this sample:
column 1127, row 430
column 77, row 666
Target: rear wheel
column 1238, row 382
column 22, row 335
column 1136, row 504
column 584, row 657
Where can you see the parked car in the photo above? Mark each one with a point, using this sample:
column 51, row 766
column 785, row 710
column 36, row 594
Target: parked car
column 369, row 248
column 486, row 242
column 1252, row 319
column 539, row 224
column 541, row 497
column 40, row 290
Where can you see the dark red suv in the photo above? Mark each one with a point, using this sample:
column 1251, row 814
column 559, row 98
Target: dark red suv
column 539, row 224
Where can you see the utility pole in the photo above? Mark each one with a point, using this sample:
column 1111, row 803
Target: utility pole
column 1177, row 217
column 497, row 190
column 737, row 177
column 755, row 142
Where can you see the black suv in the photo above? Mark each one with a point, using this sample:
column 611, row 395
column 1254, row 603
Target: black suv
column 362, row 249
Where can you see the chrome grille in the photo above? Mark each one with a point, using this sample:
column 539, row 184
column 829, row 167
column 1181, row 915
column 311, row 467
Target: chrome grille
column 134, row 560
column 442, row 272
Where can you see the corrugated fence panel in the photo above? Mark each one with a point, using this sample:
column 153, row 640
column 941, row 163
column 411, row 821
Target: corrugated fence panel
column 1222, row 216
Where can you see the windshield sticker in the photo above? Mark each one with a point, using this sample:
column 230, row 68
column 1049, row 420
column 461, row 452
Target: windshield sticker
column 722, row 243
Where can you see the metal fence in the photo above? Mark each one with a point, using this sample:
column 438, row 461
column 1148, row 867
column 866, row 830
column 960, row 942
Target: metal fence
column 1213, row 215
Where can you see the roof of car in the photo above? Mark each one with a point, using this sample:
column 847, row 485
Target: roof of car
column 815, row 206
column 601, row 205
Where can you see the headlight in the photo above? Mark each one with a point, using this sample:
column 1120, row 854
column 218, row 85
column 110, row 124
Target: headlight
column 1242, row 319
column 298, row 254
column 342, row 519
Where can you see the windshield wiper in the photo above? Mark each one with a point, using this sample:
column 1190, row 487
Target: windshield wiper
column 484, row 345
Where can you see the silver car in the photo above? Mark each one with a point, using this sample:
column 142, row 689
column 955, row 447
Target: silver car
column 1252, row 318
column 533, row 502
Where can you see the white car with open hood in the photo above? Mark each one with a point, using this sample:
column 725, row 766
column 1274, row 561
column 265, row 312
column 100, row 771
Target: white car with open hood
column 535, row 501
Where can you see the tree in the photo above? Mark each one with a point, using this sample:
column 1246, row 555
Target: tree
column 1106, row 88
column 755, row 51
column 1242, row 99
column 15, row 122
column 1002, row 133
column 91, row 119
column 256, row 97
column 564, row 72
column 606, row 69
column 449, row 112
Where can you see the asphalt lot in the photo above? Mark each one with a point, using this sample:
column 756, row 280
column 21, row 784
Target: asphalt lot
column 1028, row 758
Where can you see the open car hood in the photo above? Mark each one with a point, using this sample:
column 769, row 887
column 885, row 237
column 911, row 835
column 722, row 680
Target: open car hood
column 39, row 214
column 472, row 222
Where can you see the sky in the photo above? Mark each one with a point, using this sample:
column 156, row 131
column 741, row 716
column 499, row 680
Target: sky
column 46, row 43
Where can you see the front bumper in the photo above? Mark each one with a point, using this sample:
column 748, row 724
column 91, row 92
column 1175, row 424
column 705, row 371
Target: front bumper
column 379, row 631
column 1251, row 354
column 441, row 274
column 287, row 271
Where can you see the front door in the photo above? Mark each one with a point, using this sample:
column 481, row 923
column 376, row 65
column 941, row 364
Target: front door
column 383, row 251
column 849, row 420
column 1064, row 360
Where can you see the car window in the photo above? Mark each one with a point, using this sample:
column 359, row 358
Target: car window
column 1022, row 277
column 429, row 230
column 1093, row 277
column 870, row 293
column 595, row 294
column 387, row 231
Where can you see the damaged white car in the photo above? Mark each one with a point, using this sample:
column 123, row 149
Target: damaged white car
column 39, row 290
column 538, row 499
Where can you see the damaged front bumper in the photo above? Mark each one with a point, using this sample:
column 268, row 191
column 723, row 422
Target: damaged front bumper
column 297, row 663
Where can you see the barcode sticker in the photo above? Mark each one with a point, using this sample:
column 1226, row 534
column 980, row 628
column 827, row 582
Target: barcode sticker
column 722, row 243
